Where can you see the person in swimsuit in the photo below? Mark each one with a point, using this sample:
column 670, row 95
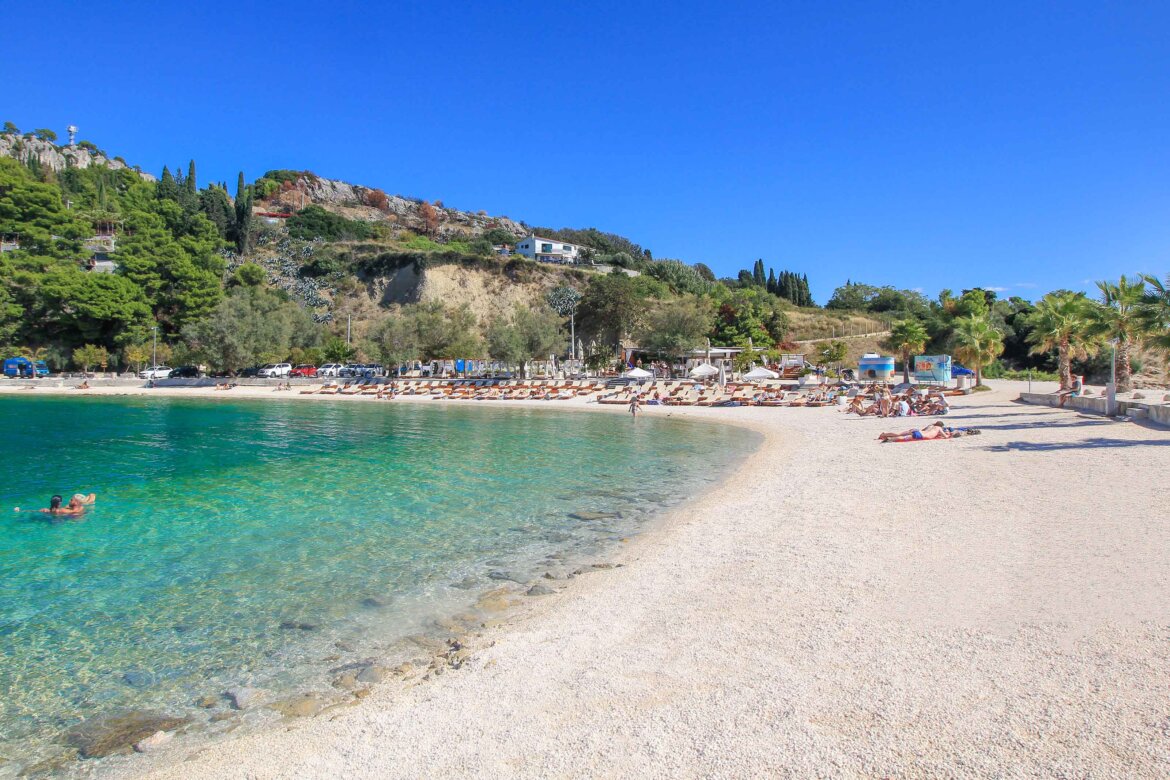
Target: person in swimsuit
column 635, row 407
column 76, row 506
column 933, row 431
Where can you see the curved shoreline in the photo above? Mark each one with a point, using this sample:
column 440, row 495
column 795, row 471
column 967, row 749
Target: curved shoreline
column 802, row 618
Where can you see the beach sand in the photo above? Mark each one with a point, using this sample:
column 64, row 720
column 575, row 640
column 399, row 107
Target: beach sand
column 992, row 606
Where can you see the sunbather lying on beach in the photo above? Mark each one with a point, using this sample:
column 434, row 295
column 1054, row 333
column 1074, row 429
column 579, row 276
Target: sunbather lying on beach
column 935, row 430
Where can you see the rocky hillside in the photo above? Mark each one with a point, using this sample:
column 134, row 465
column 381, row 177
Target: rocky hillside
column 57, row 158
column 289, row 191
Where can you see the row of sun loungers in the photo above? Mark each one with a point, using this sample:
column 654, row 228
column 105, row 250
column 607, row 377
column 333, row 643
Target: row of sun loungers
column 658, row 392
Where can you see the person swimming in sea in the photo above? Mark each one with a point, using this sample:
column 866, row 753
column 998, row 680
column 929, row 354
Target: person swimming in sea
column 77, row 505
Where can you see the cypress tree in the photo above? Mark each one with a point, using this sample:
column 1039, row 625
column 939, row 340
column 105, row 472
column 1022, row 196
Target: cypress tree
column 191, row 188
column 243, row 214
column 807, row 295
column 167, row 188
column 758, row 274
column 771, row 281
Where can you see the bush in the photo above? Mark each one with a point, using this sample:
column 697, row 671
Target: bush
column 315, row 222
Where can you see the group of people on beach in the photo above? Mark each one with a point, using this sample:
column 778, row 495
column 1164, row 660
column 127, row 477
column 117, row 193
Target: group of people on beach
column 910, row 403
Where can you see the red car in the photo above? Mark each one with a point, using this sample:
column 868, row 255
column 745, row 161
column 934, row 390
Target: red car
column 305, row 370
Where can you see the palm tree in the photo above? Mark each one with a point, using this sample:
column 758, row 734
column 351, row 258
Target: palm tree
column 1063, row 321
column 977, row 343
column 1155, row 311
column 1120, row 317
column 907, row 337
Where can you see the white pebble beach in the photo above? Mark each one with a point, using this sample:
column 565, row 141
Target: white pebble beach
column 990, row 606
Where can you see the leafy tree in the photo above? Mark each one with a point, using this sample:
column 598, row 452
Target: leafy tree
column 445, row 332
column 703, row 270
column 78, row 307
column 828, row 353
column 676, row 327
column 10, row 129
column 977, row 343
column 498, row 235
column 907, row 337
column 313, row 356
column 45, row 134
column 34, row 213
column 611, row 308
column 137, row 355
column 1062, row 322
column 681, row 277
column 336, row 350
column 90, row 355
column 394, row 340
column 528, row 334
column 1120, row 317
column 248, row 326
column 217, row 207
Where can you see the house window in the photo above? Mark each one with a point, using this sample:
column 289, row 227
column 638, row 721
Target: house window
column 546, row 247
column 568, row 248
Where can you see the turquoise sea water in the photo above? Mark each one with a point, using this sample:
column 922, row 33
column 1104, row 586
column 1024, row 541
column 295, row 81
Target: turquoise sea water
column 217, row 522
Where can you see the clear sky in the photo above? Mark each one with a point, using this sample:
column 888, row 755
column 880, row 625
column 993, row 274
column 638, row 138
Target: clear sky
column 1022, row 146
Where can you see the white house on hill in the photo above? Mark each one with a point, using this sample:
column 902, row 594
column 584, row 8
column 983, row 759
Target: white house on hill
column 547, row 250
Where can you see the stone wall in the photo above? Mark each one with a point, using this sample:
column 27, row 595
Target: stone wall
column 1157, row 413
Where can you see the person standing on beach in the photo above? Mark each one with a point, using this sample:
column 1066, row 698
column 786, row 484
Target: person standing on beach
column 635, row 406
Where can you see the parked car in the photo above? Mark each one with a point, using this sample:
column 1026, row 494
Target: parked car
column 223, row 373
column 155, row 372
column 275, row 370
column 958, row 370
column 251, row 371
column 329, row 369
column 22, row 366
column 303, row 370
column 186, row 372
column 351, row 369
column 375, row 369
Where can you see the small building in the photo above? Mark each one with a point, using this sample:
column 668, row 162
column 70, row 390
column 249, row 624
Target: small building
column 547, row 250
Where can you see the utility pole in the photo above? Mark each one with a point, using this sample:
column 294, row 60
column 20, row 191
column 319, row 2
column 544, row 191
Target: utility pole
column 154, row 347
column 348, row 329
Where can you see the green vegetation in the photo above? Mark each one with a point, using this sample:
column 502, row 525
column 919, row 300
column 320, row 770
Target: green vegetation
column 228, row 290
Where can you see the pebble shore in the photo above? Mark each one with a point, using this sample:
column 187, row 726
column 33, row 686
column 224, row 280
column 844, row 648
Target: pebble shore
column 992, row 606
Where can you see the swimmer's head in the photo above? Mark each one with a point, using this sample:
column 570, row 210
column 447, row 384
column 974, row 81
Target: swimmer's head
column 55, row 502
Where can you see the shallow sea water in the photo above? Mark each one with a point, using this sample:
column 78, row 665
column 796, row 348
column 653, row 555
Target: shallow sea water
column 351, row 525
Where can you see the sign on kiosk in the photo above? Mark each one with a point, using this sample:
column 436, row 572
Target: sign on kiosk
column 932, row 368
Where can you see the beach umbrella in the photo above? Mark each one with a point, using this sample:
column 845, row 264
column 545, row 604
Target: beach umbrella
column 761, row 373
column 638, row 373
column 703, row 370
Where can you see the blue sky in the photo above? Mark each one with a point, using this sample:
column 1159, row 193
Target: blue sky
column 1021, row 146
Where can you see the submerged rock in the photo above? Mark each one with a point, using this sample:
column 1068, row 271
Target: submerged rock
column 507, row 576
column 302, row 706
column 467, row 583
column 244, row 697
column 298, row 625
column 207, row 702
column 591, row 516
column 138, row 679
column 117, row 733
column 153, row 742
column 373, row 602
column 540, row 590
column 373, row 674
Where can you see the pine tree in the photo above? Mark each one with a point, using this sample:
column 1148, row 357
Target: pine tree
column 191, row 188
column 758, row 274
column 771, row 281
column 808, row 299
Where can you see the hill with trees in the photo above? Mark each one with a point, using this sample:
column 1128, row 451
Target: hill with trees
column 98, row 258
